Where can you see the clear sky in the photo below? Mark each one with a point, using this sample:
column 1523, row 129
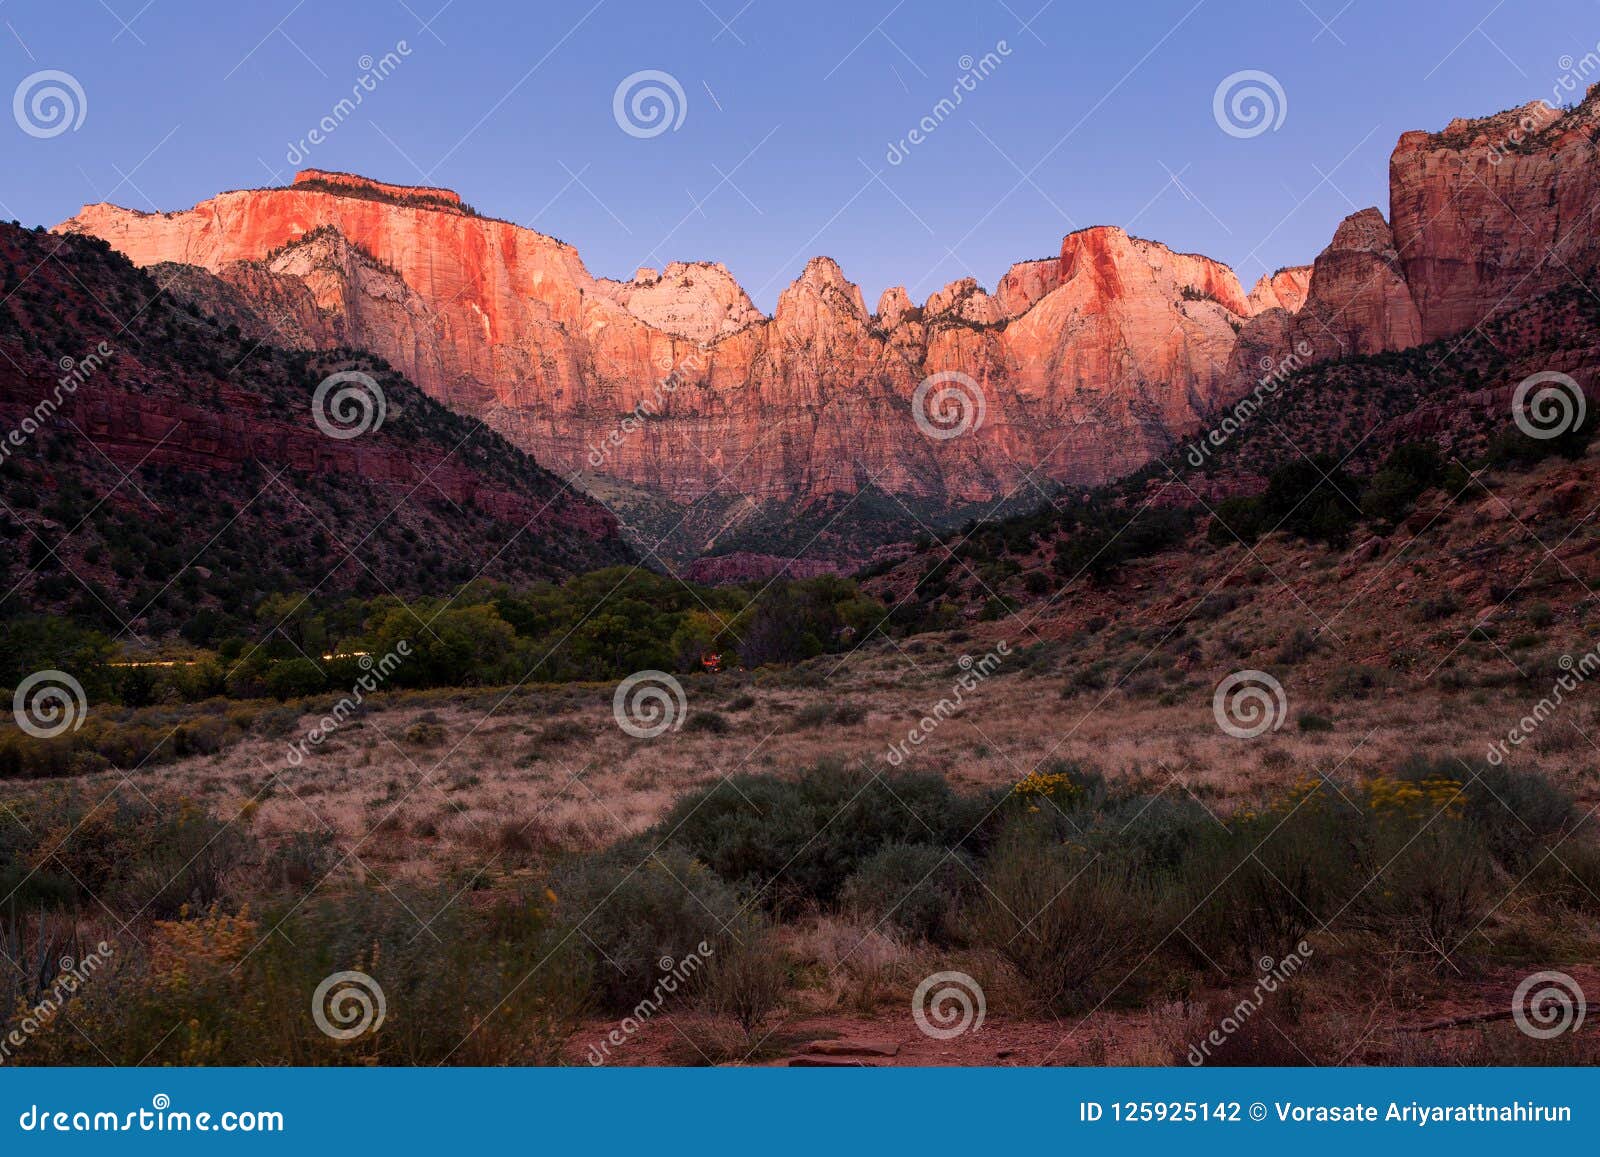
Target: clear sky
column 1089, row 114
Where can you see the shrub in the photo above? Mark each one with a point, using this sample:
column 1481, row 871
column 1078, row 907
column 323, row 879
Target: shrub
column 478, row 987
column 425, row 734
column 819, row 714
column 1158, row 832
column 1266, row 1035
column 1257, row 888
column 708, row 722
column 561, row 731
column 1430, row 883
column 1301, row 644
column 300, row 862
column 1354, row 681
column 136, row 854
column 746, row 975
column 1059, row 916
column 1520, row 814
column 915, row 887
column 795, row 841
column 294, row 679
column 634, row 908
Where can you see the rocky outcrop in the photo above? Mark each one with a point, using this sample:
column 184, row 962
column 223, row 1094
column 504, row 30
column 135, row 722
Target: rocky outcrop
column 266, row 306
column 1286, row 289
column 1493, row 212
column 1083, row 365
column 219, row 446
column 1357, row 302
column 1025, row 283
column 699, row 301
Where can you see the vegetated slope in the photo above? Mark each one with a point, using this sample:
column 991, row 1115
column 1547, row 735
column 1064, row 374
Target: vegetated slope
column 165, row 473
column 1361, row 448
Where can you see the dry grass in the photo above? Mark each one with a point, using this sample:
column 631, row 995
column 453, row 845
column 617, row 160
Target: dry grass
column 491, row 795
column 1118, row 678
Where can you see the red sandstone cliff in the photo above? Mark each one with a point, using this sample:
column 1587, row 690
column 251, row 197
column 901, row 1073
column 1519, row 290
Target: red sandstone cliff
column 1088, row 364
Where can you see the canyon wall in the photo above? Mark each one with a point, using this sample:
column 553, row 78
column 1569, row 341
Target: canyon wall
column 1087, row 365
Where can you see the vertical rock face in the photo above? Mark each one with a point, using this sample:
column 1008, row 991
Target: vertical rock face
column 1084, row 364
column 1286, row 289
column 1493, row 212
column 1025, row 283
column 1081, row 366
column 699, row 301
column 1359, row 302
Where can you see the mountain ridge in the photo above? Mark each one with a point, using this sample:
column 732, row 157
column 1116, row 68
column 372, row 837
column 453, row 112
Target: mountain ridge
column 1074, row 371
